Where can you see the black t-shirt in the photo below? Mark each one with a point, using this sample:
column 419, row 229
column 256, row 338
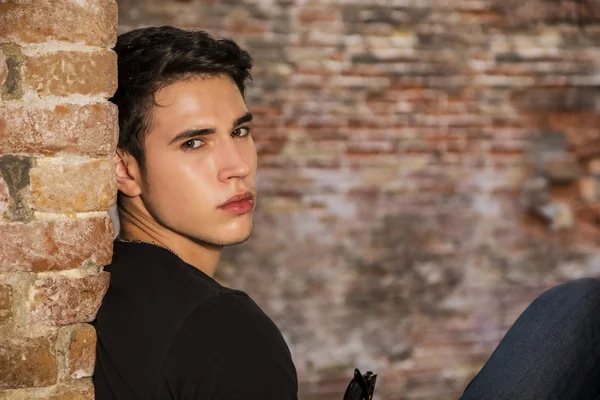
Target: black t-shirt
column 166, row 330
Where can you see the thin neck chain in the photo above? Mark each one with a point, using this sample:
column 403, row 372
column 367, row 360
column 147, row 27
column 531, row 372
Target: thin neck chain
column 152, row 243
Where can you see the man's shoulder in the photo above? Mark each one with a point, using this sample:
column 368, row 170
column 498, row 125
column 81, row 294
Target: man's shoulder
column 228, row 339
column 230, row 324
column 145, row 277
column 230, row 312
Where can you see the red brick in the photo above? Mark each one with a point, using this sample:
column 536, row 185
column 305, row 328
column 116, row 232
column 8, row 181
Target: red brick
column 67, row 299
column 92, row 22
column 90, row 130
column 78, row 344
column 70, row 72
column 15, row 172
column 81, row 389
column 81, row 357
column 66, row 187
column 526, row 13
column 245, row 26
column 594, row 166
column 4, row 196
column 588, row 188
column 27, row 363
column 58, row 245
column 553, row 99
column 314, row 14
column 5, row 302
column 3, row 69
column 10, row 64
column 563, row 170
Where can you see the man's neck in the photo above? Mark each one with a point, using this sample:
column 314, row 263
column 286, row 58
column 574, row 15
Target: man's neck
column 142, row 228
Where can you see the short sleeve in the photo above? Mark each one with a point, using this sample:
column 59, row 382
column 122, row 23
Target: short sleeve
column 228, row 348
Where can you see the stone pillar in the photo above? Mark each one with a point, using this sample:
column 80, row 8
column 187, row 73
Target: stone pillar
column 58, row 133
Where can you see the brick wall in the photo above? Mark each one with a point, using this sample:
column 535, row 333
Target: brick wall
column 57, row 134
column 426, row 169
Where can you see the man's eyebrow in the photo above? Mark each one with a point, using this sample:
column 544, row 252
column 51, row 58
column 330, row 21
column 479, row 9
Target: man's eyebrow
column 192, row 133
column 244, row 118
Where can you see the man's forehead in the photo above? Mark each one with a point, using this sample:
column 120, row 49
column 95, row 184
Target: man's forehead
column 188, row 92
column 208, row 101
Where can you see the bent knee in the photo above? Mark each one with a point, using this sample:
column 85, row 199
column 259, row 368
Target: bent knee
column 584, row 288
column 585, row 285
column 581, row 296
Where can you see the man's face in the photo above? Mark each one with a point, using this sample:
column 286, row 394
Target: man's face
column 198, row 155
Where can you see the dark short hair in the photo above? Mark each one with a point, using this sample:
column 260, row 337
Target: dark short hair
column 152, row 58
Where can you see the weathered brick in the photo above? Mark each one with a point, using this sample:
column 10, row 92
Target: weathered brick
column 15, row 175
column 81, row 389
column 588, row 188
column 562, row 170
column 58, row 245
column 67, row 299
column 78, row 343
column 4, row 196
column 12, row 87
column 90, row 130
column 241, row 23
column 5, row 302
column 27, row 363
column 51, row 49
column 537, row 12
column 314, row 14
column 3, row 69
column 70, row 72
column 555, row 99
column 594, row 167
column 64, row 186
column 92, row 22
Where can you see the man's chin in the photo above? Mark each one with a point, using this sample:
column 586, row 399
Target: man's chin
column 225, row 240
column 242, row 233
column 240, row 241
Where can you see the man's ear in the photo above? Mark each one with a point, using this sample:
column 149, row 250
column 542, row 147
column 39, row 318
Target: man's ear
column 128, row 173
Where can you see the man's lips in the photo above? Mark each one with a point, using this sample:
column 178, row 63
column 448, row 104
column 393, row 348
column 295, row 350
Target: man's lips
column 248, row 196
column 241, row 203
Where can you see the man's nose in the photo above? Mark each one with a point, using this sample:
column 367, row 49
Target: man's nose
column 232, row 161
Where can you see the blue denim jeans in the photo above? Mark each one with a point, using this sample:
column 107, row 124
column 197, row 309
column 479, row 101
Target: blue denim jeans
column 552, row 351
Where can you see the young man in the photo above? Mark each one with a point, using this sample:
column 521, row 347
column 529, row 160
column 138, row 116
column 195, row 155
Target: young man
column 185, row 166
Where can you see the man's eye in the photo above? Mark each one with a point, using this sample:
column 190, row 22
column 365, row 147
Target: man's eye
column 192, row 144
column 241, row 132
